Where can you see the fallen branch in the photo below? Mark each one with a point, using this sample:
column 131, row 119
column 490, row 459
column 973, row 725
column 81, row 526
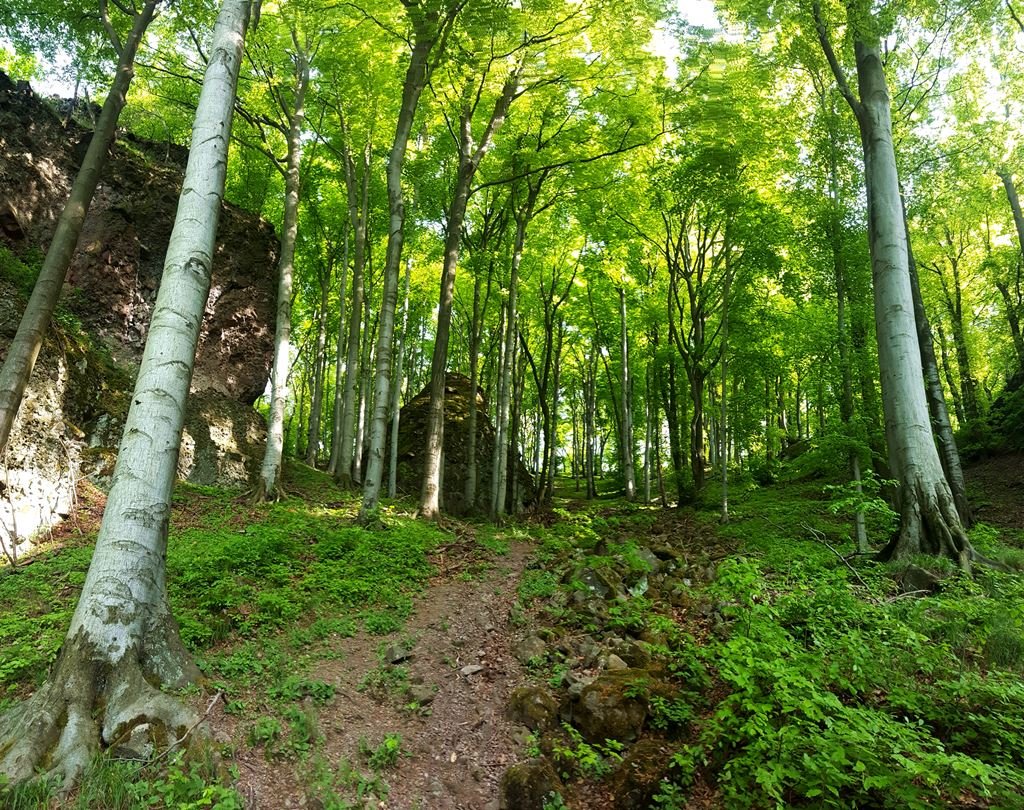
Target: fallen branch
column 819, row 536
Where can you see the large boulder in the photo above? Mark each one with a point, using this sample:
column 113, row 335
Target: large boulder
column 412, row 435
column 70, row 422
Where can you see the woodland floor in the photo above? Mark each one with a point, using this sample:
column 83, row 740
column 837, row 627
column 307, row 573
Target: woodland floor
column 349, row 669
column 453, row 750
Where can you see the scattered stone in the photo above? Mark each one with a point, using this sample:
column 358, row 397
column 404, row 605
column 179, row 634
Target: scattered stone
column 596, row 582
column 612, row 707
column 638, row 777
column 396, row 653
column 528, row 785
column 471, row 669
column 423, row 694
column 915, row 578
column 533, row 707
column 221, row 737
column 616, row 663
column 632, row 652
column 531, row 647
column 589, row 650
column 666, row 553
column 652, row 559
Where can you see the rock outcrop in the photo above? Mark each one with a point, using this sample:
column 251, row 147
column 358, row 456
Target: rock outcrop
column 412, row 433
column 70, row 421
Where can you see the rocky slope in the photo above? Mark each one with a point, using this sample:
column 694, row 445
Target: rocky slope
column 71, row 420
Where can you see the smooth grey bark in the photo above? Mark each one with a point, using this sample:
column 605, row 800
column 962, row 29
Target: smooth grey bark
column 590, row 422
column 1012, row 307
column 648, row 433
column 123, row 644
column 358, row 205
column 396, row 387
column 430, row 36
column 1012, row 198
column 947, row 372
column 723, row 431
column 320, row 360
column 270, row 471
column 929, row 521
column 628, row 469
column 522, row 213
column 470, row 159
column 1012, row 311
column 24, row 348
column 949, row 454
column 370, row 326
column 475, row 329
column 551, row 440
column 339, row 364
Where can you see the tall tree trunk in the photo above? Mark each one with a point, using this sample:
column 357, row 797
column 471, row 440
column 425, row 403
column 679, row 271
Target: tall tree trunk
column 24, row 348
column 929, row 521
column 396, row 387
column 320, row 358
column 370, row 327
column 649, row 407
column 339, row 366
column 551, row 434
column 358, row 204
column 428, row 32
column 670, row 403
column 499, row 470
column 723, row 431
column 270, row 472
column 1013, row 318
column 475, row 326
column 947, row 371
column 500, row 462
column 949, row 455
column 589, row 423
column 123, row 644
column 628, row 469
column 469, row 162
column 1014, row 200
column 698, row 459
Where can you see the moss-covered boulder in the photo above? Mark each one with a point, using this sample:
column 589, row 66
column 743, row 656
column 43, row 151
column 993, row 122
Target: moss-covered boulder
column 529, row 785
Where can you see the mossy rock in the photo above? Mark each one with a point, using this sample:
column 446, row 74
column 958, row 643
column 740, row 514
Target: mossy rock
column 529, row 785
column 638, row 778
column 613, row 707
column 532, row 707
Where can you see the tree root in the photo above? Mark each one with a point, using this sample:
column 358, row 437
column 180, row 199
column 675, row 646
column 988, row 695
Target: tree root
column 85, row 706
column 930, row 524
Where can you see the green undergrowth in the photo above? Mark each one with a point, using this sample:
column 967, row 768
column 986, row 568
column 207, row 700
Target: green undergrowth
column 199, row 782
column 804, row 677
column 261, row 593
column 840, row 691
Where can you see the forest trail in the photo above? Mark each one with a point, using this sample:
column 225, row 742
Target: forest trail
column 440, row 684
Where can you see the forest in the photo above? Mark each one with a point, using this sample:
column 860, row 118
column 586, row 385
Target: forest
column 519, row 404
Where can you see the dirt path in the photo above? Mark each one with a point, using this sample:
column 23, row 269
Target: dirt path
column 456, row 745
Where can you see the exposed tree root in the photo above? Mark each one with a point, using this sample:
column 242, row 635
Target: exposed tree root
column 930, row 524
column 86, row 705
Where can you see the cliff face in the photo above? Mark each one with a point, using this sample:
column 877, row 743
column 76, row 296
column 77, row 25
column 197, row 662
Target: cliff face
column 72, row 415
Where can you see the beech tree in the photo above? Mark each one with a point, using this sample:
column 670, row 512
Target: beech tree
column 123, row 644
column 929, row 521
